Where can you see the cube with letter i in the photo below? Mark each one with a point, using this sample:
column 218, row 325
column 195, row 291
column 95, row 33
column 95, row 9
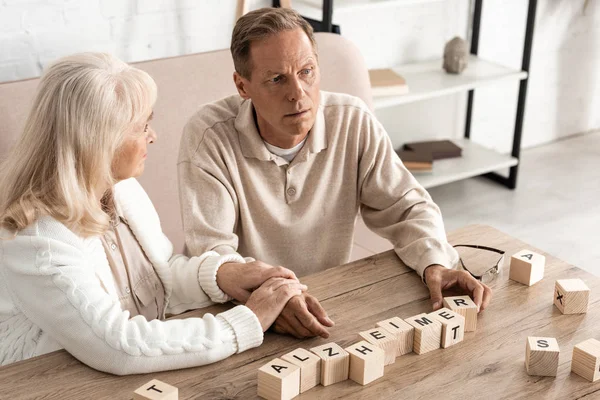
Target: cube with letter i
column 541, row 356
column 586, row 360
column 571, row 296
column 527, row 267
column 428, row 333
column 279, row 380
column 453, row 326
column 366, row 362
column 335, row 363
column 405, row 334
column 385, row 339
column 464, row 306
column 156, row 390
column 310, row 367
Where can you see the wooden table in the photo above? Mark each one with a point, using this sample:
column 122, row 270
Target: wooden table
column 489, row 363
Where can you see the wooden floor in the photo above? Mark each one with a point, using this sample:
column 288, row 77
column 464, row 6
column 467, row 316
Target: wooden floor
column 556, row 206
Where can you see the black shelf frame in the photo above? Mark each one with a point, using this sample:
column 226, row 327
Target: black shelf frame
column 509, row 181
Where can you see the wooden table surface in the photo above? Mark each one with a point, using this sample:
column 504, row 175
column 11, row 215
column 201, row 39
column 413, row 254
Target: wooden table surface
column 489, row 363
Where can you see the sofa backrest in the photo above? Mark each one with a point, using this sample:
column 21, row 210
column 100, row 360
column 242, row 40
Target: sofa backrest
column 184, row 83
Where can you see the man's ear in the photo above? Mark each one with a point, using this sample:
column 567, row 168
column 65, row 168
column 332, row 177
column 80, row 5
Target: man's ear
column 241, row 84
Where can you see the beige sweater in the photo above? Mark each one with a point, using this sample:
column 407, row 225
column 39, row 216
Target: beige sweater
column 237, row 196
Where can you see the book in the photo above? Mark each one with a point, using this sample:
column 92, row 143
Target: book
column 385, row 82
column 439, row 149
column 416, row 161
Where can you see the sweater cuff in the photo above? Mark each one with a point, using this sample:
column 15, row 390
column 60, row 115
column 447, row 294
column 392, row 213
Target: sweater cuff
column 207, row 275
column 246, row 327
column 434, row 257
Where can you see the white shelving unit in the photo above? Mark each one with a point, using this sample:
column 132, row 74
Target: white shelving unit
column 427, row 80
column 475, row 160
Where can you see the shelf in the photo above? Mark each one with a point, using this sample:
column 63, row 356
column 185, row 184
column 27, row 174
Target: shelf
column 475, row 160
column 314, row 8
column 351, row 5
column 428, row 79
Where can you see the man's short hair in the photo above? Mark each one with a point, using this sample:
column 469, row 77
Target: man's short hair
column 260, row 24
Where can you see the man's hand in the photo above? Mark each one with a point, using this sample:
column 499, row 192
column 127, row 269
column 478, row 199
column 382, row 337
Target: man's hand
column 439, row 278
column 303, row 317
column 238, row 280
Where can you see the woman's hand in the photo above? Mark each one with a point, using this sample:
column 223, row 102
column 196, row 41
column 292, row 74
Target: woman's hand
column 270, row 298
column 238, row 280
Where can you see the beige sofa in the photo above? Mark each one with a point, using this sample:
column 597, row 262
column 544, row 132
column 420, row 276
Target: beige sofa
column 184, row 83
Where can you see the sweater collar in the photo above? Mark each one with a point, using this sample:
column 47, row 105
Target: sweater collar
column 253, row 146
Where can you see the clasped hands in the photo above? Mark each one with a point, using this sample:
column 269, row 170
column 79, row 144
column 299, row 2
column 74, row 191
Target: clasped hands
column 278, row 298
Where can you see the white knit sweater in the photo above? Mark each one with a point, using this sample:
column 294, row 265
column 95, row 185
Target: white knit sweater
column 52, row 296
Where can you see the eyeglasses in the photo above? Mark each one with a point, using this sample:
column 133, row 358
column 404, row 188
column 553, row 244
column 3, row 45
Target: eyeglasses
column 485, row 275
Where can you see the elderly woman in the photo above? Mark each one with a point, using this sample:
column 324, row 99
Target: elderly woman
column 84, row 264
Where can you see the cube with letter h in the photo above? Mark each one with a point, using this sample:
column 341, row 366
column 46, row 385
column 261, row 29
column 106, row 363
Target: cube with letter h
column 464, row 306
column 541, row 356
column 586, row 360
column 335, row 363
column 310, row 367
column 366, row 362
column 428, row 333
column 156, row 390
column 571, row 296
column 385, row 339
column 278, row 380
column 527, row 267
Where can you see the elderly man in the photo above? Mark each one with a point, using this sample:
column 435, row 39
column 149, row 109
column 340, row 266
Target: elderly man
column 279, row 172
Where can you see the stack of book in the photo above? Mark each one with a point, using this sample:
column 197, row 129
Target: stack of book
column 386, row 82
column 419, row 156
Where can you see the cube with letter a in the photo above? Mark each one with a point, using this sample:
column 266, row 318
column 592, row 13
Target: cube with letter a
column 527, row 267
column 310, row 367
column 279, row 380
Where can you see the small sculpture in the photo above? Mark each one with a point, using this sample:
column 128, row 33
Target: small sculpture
column 456, row 56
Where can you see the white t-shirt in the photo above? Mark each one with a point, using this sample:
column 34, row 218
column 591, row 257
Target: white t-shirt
column 286, row 154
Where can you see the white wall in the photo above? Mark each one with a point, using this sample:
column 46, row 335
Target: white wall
column 564, row 89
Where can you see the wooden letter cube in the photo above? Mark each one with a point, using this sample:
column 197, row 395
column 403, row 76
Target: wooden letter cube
column 586, row 360
column 541, row 356
column 428, row 333
column 453, row 326
column 156, row 390
column 385, row 339
column 464, row 306
column 571, row 296
column 405, row 334
column 527, row 267
column 366, row 362
column 279, row 380
column 335, row 363
column 310, row 367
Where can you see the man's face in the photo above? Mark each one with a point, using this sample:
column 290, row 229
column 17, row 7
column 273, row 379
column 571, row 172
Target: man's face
column 284, row 86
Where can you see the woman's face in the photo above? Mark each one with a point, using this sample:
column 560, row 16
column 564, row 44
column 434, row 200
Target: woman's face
column 131, row 156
